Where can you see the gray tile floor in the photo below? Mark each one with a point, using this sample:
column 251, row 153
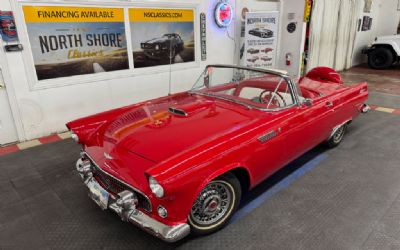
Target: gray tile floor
column 350, row 200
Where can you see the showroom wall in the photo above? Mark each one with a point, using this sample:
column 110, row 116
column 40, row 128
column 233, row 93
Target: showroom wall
column 385, row 19
column 43, row 107
column 290, row 11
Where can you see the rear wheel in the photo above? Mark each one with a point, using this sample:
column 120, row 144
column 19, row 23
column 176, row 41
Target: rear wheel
column 337, row 136
column 380, row 58
column 215, row 205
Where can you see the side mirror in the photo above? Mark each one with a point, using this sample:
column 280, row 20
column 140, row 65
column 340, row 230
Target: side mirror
column 308, row 102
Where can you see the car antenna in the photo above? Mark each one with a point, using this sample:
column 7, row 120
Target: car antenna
column 170, row 67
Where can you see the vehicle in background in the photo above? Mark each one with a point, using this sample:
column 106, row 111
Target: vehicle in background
column 253, row 59
column 383, row 52
column 267, row 50
column 266, row 58
column 166, row 46
column 253, row 51
column 260, row 32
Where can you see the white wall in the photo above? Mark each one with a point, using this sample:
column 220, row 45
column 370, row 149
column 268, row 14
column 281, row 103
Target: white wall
column 385, row 21
column 40, row 112
column 292, row 43
column 45, row 111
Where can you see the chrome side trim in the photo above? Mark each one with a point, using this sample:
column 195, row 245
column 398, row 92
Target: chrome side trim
column 133, row 188
column 267, row 137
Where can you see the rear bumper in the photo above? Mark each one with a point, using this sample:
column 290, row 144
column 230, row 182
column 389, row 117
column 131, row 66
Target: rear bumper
column 127, row 210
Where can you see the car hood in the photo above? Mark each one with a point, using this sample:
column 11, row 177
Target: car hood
column 387, row 38
column 157, row 40
column 163, row 128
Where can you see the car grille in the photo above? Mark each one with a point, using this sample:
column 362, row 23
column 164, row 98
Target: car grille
column 113, row 185
column 147, row 46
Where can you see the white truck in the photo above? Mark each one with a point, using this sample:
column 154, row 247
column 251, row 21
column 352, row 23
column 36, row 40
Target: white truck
column 383, row 52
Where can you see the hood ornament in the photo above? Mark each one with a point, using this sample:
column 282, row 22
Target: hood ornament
column 107, row 156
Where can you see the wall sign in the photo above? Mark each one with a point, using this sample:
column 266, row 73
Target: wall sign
column 366, row 24
column 261, row 39
column 162, row 36
column 8, row 30
column 69, row 41
column 203, row 36
column 223, row 14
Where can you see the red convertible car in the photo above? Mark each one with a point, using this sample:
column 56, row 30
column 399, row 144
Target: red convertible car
column 180, row 163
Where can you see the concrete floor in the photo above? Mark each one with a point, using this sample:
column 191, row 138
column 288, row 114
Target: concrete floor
column 383, row 85
column 344, row 198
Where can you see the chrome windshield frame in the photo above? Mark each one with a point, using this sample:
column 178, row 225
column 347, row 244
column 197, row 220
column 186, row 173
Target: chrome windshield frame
column 286, row 77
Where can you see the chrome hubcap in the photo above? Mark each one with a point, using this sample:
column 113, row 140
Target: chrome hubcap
column 212, row 204
column 338, row 134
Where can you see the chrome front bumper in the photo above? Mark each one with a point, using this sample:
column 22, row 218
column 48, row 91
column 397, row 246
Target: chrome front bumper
column 125, row 206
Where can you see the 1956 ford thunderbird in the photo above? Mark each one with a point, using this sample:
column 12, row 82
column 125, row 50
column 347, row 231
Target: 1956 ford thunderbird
column 180, row 163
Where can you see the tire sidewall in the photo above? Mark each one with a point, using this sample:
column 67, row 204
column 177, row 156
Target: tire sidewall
column 331, row 143
column 380, row 52
column 233, row 183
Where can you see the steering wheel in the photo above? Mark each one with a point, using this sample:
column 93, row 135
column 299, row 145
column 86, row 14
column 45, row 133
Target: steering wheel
column 272, row 97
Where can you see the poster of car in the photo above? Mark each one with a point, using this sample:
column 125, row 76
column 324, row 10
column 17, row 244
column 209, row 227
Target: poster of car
column 162, row 36
column 68, row 41
column 8, row 30
column 261, row 35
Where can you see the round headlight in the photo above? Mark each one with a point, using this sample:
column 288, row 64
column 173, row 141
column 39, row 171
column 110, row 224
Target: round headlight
column 155, row 187
column 157, row 47
column 75, row 137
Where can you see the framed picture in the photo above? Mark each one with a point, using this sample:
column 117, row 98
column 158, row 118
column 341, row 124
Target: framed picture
column 365, row 23
column 367, row 6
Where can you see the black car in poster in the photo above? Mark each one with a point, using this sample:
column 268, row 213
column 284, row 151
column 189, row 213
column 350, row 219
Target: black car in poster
column 253, row 51
column 166, row 46
column 263, row 33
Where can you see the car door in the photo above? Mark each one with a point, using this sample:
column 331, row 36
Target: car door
column 307, row 126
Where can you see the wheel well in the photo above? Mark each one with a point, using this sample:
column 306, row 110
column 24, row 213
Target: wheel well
column 389, row 47
column 243, row 176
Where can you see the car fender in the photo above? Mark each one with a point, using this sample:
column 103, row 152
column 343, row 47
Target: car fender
column 394, row 45
column 220, row 172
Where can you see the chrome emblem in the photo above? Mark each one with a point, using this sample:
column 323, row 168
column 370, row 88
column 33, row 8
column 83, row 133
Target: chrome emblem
column 107, row 156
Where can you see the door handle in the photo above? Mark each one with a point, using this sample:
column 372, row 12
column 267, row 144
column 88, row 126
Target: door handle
column 329, row 104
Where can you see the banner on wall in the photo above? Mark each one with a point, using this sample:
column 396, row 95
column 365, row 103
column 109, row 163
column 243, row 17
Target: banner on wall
column 162, row 36
column 261, row 39
column 69, row 41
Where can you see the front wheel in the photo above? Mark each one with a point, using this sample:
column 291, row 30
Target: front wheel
column 215, row 205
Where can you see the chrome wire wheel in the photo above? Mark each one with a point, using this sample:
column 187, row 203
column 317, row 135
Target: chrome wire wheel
column 338, row 135
column 213, row 203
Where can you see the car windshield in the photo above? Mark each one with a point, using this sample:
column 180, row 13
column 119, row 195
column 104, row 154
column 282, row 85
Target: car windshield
column 249, row 87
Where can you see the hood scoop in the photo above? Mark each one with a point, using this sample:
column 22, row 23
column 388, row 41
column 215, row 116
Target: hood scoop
column 177, row 111
column 188, row 109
